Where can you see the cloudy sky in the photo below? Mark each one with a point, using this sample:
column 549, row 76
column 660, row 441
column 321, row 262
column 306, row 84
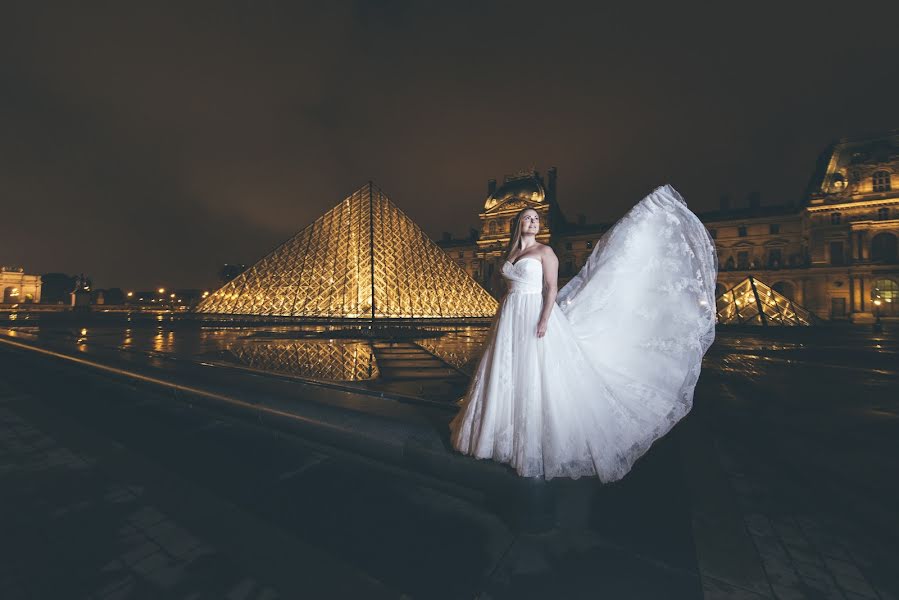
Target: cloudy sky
column 146, row 144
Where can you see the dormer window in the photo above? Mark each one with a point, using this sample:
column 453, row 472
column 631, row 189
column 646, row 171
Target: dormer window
column 881, row 181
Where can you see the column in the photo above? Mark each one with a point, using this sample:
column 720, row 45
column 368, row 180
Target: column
column 861, row 287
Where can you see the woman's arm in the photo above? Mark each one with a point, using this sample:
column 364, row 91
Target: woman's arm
column 550, row 288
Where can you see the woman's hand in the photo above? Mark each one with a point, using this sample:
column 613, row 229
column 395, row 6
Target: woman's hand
column 541, row 328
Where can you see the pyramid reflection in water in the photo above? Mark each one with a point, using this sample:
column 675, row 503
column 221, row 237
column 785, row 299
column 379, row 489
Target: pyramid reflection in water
column 363, row 259
column 752, row 302
column 331, row 360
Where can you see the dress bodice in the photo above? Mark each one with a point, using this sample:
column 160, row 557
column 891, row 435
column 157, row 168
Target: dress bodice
column 525, row 276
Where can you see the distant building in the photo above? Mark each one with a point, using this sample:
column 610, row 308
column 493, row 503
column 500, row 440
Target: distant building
column 835, row 253
column 19, row 288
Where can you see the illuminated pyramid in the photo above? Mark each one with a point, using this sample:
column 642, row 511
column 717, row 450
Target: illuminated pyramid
column 751, row 302
column 363, row 259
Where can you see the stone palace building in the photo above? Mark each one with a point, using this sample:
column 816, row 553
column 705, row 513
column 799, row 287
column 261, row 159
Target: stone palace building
column 835, row 253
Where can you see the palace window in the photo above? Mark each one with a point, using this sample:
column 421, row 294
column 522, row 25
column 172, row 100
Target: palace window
column 883, row 214
column 835, row 218
column 492, row 227
column 743, row 260
column 885, row 291
column 774, row 258
column 836, row 253
column 774, row 228
column 881, row 181
column 741, row 231
column 883, row 248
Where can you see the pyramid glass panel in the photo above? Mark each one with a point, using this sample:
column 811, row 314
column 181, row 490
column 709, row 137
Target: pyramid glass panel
column 363, row 259
column 752, row 302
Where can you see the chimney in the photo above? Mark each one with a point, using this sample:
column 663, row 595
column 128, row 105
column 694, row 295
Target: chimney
column 491, row 186
column 551, row 175
column 755, row 200
column 724, row 202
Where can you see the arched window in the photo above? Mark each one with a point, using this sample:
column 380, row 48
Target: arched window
column 885, row 296
column 881, row 181
column 784, row 288
column 883, row 248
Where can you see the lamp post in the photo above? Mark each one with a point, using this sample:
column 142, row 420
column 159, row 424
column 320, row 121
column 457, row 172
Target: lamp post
column 877, row 325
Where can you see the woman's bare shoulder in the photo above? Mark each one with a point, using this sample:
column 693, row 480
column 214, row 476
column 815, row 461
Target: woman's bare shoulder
column 546, row 251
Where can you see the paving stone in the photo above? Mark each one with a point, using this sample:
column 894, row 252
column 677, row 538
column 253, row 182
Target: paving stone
column 135, row 555
column 804, row 555
column 759, row 525
column 783, row 592
column 150, row 563
column 715, row 589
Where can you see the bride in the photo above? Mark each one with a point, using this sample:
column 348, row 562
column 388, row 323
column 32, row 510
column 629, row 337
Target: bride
column 582, row 381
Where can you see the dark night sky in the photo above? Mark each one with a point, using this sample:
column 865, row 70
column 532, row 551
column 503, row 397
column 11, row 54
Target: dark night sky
column 146, row 145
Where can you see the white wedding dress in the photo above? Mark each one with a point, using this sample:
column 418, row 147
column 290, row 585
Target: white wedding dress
column 620, row 358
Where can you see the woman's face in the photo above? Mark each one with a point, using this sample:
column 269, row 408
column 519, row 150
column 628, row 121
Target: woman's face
column 530, row 222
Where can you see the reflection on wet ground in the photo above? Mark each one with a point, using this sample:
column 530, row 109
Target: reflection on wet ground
column 437, row 361
column 334, row 360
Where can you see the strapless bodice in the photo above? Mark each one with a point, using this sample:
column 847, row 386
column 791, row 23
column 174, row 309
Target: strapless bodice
column 525, row 276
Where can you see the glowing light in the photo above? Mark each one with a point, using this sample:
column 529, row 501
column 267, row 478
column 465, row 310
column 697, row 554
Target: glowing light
column 172, row 295
column 131, row 294
column 161, row 290
column 84, row 332
column 362, row 259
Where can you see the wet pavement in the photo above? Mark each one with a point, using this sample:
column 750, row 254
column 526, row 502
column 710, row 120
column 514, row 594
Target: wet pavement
column 780, row 484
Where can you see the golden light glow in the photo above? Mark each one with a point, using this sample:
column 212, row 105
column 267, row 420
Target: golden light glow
column 131, row 294
column 362, row 259
column 161, row 290
column 84, row 332
column 172, row 296
column 741, row 305
column 317, row 359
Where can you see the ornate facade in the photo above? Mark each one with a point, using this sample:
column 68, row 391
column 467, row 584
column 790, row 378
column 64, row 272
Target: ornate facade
column 19, row 288
column 835, row 253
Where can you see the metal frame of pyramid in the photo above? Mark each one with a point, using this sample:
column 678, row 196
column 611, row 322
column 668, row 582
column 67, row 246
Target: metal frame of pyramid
column 363, row 259
column 752, row 302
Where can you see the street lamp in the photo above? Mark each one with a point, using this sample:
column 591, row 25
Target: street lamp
column 877, row 325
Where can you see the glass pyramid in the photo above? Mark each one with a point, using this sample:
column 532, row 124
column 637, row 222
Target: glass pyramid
column 752, row 302
column 363, row 259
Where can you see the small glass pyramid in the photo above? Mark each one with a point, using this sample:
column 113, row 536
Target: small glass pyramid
column 752, row 302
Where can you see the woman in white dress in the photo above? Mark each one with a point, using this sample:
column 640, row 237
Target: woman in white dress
column 582, row 382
